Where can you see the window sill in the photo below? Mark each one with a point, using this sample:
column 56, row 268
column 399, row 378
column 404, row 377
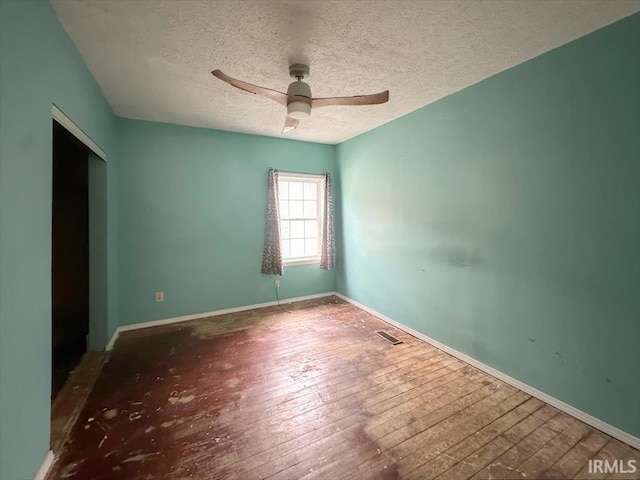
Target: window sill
column 301, row 261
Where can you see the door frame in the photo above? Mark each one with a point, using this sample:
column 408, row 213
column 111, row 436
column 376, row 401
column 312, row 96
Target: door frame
column 77, row 132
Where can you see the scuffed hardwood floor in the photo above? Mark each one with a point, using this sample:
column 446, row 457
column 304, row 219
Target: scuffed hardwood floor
column 68, row 404
column 313, row 394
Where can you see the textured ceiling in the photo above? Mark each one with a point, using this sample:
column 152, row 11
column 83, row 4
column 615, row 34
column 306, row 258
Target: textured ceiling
column 153, row 58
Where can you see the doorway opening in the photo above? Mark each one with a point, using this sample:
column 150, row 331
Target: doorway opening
column 70, row 255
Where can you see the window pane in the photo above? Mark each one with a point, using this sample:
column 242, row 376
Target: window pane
column 283, row 190
column 310, row 209
column 286, row 249
column 295, row 190
column 297, row 229
column 295, row 209
column 297, row 248
column 310, row 191
column 284, row 209
column 311, row 228
column 284, row 229
column 311, row 246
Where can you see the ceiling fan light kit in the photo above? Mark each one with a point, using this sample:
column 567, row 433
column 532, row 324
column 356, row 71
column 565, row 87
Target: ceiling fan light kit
column 299, row 110
column 298, row 98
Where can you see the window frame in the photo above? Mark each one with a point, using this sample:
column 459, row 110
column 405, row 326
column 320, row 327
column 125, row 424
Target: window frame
column 304, row 178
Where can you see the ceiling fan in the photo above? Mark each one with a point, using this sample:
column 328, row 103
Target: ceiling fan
column 298, row 99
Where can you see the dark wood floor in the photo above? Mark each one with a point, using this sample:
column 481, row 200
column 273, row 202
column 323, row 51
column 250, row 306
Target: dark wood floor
column 313, row 394
column 67, row 405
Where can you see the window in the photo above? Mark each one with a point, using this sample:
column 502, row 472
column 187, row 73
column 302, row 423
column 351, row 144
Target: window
column 301, row 206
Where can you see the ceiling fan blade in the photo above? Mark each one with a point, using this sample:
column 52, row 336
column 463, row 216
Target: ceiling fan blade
column 290, row 124
column 372, row 99
column 274, row 95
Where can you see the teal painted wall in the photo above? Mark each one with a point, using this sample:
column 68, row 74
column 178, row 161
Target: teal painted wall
column 504, row 221
column 39, row 66
column 191, row 219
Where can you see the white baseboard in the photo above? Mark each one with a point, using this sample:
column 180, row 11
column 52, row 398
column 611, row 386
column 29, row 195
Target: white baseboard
column 534, row 392
column 45, row 466
column 184, row 318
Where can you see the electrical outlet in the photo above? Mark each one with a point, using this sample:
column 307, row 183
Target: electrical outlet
column 276, row 283
column 159, row 296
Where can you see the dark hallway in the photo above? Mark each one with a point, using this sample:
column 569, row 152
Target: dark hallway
column 70, row 251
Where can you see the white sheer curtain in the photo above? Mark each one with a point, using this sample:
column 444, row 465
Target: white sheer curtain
column 328, row 253
column 271, row 254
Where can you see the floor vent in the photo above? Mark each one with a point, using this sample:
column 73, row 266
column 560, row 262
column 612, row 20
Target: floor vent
column 389, row 338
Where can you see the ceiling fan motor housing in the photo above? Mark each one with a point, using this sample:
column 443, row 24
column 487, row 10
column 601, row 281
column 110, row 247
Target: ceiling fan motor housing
column 298, row 107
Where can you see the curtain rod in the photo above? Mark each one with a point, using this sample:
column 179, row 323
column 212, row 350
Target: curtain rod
column 300, row 173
